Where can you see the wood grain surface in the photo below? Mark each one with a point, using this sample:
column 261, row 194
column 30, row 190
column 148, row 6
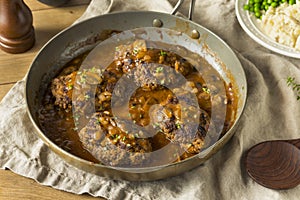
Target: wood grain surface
column 47, row 21
column 274, row 164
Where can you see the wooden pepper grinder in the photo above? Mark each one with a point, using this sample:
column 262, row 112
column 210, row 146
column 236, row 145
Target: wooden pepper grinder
column 16, row 30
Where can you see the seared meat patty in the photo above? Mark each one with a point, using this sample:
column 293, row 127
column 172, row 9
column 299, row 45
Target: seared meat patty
column 61, row 88
column 111, row 146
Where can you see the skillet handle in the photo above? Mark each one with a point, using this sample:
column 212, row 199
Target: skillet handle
column 191, row 9
column 176, row 8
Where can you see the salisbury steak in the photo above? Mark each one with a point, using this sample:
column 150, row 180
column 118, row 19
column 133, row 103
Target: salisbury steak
column 171, row 106
column 110, row 145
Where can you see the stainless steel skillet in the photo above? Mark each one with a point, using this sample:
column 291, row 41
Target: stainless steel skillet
column 87, row 34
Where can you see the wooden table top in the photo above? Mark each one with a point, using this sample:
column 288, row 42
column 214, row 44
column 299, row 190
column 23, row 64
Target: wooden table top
column 47, row 22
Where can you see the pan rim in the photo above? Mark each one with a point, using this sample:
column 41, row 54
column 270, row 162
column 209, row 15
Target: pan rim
column 55, row 147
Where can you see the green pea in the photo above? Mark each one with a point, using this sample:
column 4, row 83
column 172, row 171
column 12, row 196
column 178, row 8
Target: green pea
column 274, row 4
column 257, row 14
column 246, row 7
column 256, row 5
column 256, row 9
column 291, row 2
column 266, row 7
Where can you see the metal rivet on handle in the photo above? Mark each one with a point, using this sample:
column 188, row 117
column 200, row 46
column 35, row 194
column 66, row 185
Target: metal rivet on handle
column 195, row 34
column 157, row 23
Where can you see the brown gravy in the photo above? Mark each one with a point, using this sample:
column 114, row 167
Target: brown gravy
column 58, row 121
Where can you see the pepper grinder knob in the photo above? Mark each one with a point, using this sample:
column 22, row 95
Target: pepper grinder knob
column 16, row 30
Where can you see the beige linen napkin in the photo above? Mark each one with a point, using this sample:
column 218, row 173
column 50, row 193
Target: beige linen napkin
column 272, row 112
